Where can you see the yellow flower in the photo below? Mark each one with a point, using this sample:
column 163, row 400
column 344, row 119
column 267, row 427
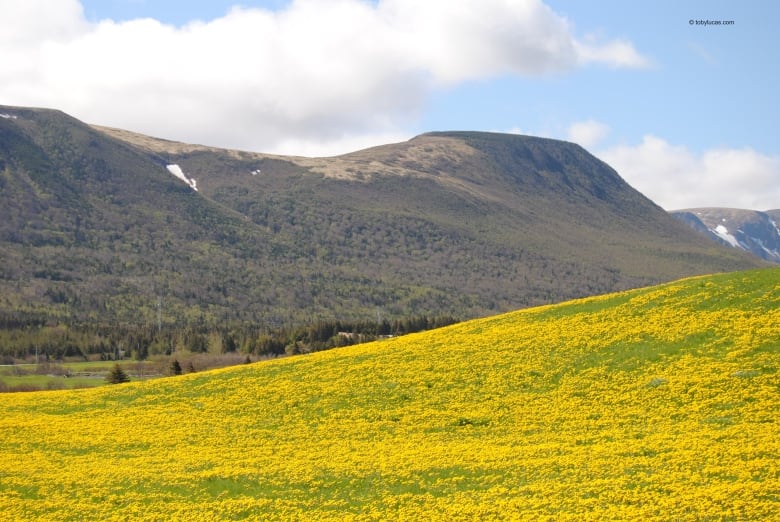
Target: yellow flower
column 653, row 404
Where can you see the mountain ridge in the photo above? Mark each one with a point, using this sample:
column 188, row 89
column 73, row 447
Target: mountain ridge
column 97, row 225
column 753, row 231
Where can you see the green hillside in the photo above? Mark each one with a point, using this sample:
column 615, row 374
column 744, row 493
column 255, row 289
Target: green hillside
column 654, row 404
column 95, row 229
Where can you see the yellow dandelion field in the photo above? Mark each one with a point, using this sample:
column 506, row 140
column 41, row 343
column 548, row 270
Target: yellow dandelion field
column 655, row 404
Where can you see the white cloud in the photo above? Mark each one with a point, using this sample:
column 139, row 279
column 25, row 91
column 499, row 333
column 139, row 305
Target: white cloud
column 348, row 143
column 615, row 53
column 29, row 22
column 702, row 53
column 587, row 133
column 317, row 72
column 676, row 178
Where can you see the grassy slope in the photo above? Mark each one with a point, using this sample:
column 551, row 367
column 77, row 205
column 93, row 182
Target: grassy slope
column 659, row 403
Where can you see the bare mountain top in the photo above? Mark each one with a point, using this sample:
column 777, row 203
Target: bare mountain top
column 749, row 230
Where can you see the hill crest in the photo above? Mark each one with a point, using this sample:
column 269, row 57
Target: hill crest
column 97, row 224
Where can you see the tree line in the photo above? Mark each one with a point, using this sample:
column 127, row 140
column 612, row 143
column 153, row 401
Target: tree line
column 27, row 337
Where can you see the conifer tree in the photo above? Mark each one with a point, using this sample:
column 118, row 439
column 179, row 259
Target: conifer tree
column 175, row 368
column 117, row 375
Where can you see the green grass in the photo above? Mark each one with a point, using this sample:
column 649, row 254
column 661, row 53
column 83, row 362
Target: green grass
column 69, row 375
column 48, row 382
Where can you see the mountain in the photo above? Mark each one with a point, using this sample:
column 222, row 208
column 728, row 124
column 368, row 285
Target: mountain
column 102, row 224
column 749, row 230
column 656, row 404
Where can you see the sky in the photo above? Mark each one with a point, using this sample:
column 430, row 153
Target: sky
column 683, row 108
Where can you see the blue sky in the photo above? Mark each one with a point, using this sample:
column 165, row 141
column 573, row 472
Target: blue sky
column 687, row 113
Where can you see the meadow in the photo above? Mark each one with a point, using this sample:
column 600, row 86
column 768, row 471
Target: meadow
column 66, row 375
column 78, row 373
column 654, row 404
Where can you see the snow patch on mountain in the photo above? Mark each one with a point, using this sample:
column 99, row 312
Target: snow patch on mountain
column 8, row 116
column 176, row 171
column 723, row 233
column 754, row 231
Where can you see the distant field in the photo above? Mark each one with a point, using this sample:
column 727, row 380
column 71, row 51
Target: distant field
column 59, row 375
column 69, row 375
column 655, row 404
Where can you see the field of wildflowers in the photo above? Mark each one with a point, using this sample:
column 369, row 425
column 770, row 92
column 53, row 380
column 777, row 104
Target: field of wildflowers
column 655, row 404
